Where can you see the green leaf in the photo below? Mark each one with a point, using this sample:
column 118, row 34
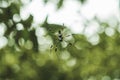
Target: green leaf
column 52, row 28
column 60, row 4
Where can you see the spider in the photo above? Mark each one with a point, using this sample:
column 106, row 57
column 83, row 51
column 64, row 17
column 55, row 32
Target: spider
column 60, row 37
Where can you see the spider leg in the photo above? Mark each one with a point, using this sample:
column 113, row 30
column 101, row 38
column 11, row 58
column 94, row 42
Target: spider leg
column 56, row 49
column 57, row 53
column 69, row 43
column 67, row 35
column 51, row 48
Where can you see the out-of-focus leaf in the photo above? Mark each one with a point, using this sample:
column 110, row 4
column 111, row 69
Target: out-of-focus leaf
column 21, row 34
column 103, row 41
column 51, row 28
column 60, row 4
column 27, row 23
column 10, row 28
column 9, row 12
column 34, row 40
column 79, row 37
column 49, row 70
column 104, row 24
column 74, row 51
column 82, row 1
column 27, row 35
column 45, row 1
column 81, row 41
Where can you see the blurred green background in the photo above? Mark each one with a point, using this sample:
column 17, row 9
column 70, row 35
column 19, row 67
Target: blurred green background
column 76, row 58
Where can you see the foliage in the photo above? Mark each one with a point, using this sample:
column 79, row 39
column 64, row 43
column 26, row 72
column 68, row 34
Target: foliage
column 60, row 3
column 23, row 59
